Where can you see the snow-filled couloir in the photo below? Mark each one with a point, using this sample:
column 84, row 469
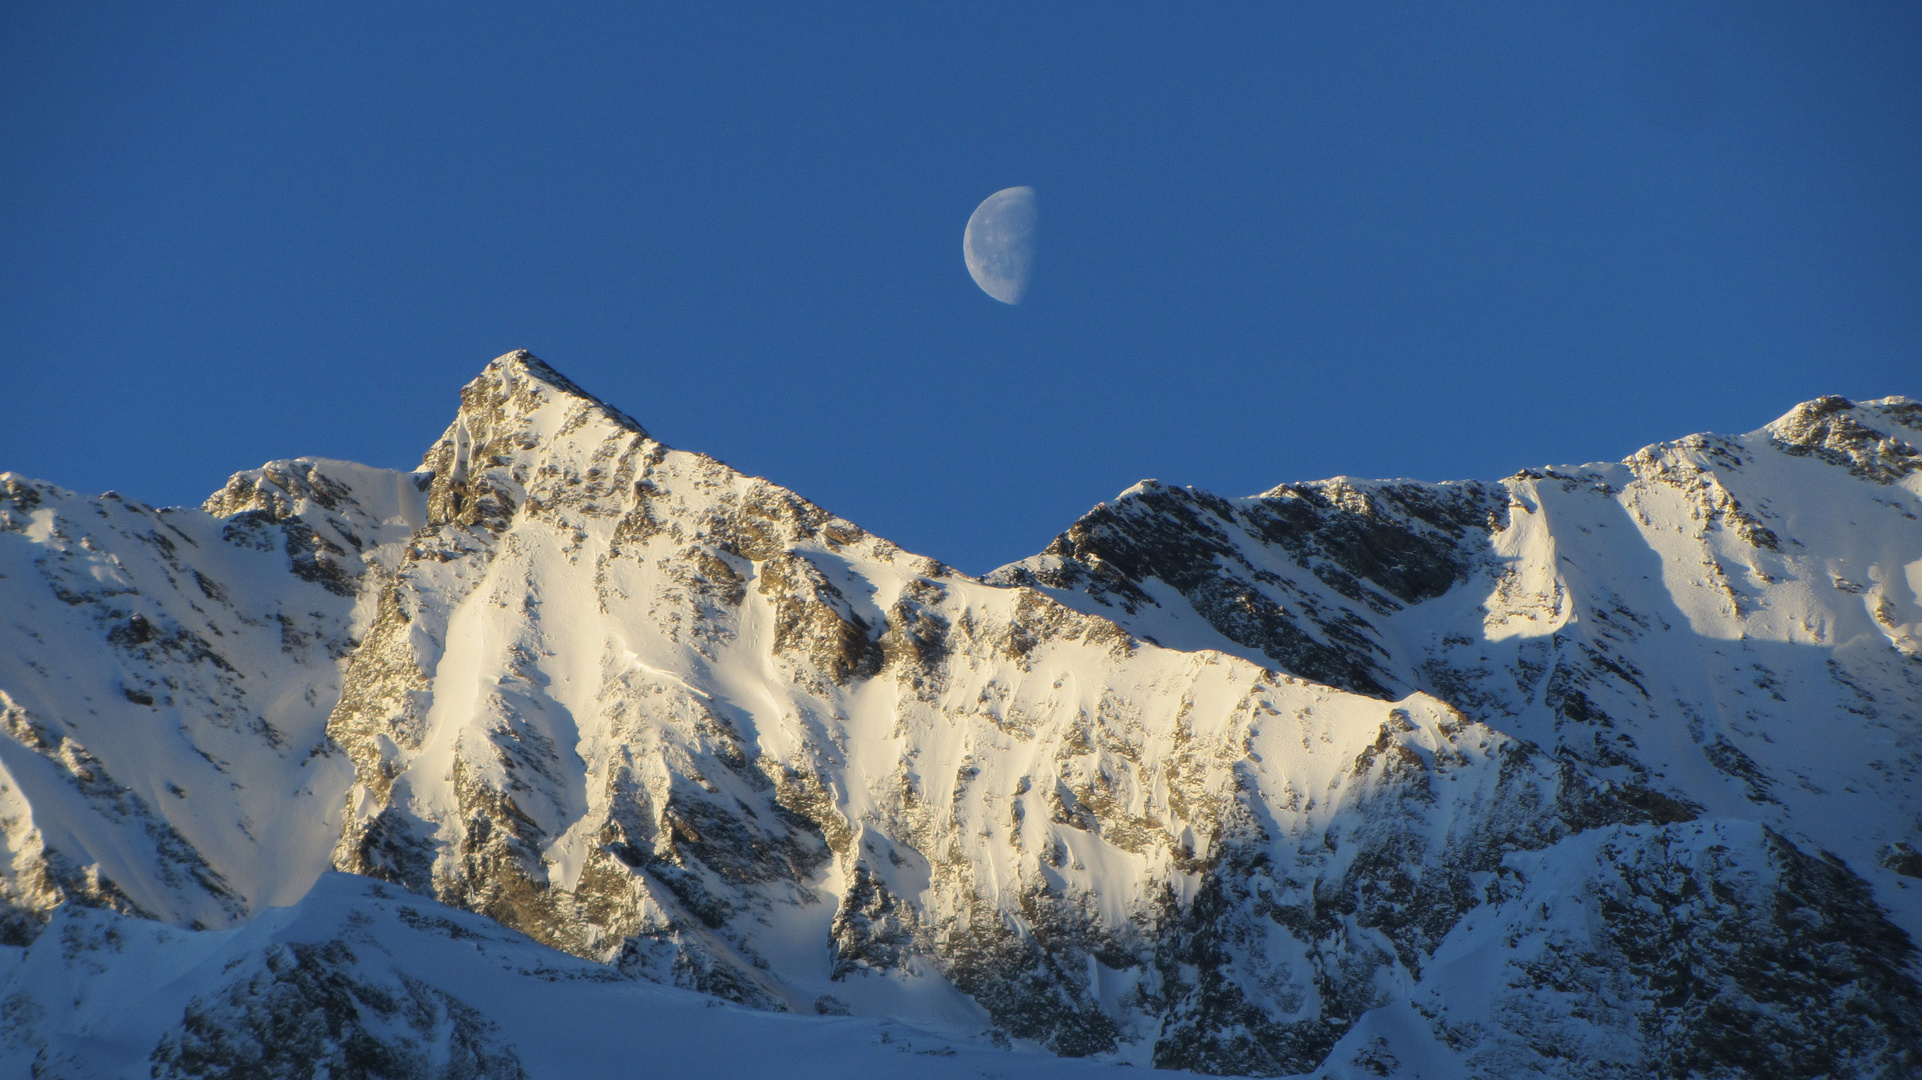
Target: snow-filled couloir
column 1605, row 771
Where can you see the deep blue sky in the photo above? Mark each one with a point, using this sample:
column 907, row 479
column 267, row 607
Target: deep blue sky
column 1280, row 241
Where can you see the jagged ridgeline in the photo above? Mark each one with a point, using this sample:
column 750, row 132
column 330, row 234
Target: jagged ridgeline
column 1607, row 771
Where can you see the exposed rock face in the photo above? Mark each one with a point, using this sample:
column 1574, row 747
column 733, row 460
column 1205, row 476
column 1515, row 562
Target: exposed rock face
column 1872, row 441
column 1256, row 786
column 1348, row 553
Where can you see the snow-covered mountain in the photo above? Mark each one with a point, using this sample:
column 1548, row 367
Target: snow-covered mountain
column 360, row 979
column 1596, row 772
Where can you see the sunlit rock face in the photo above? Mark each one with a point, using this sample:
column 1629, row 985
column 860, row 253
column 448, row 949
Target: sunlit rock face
column 1592, row 772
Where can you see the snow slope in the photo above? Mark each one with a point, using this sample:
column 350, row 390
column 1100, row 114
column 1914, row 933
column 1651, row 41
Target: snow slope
column 165, row 681
column 360, row 979
column 1359, row 779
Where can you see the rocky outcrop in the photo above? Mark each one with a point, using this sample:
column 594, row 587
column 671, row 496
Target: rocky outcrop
column 1875, row 440
column 1349, row 553
column 305, row 1011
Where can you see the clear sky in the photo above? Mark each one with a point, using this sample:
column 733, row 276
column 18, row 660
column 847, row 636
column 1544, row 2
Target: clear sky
column 1279, row 241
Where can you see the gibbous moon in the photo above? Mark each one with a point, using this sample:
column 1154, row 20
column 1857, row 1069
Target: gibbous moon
column 999, row 243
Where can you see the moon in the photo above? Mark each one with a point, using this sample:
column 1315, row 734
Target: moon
column 999, row 243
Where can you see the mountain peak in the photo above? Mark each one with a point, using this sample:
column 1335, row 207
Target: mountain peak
column 518, row 411
column 517, row 385
column 1875, row 440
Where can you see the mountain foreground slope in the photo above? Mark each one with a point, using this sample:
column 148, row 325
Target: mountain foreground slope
column 1605, row 771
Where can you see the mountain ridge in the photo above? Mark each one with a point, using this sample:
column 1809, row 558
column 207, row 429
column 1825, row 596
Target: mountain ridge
column 1235, row 785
